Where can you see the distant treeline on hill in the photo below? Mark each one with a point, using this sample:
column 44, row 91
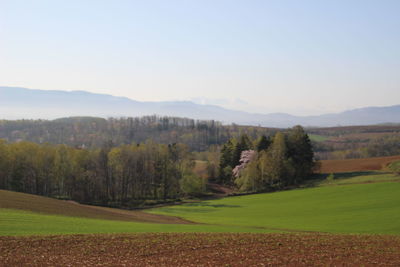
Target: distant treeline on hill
column 357, row 141
column 198, row 135
column 95, row 132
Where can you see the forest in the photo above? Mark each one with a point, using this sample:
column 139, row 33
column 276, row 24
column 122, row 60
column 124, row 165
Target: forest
column 149, row 172
column 199, row 135
column 128, row 162
column 91, row 132
column 113, row 176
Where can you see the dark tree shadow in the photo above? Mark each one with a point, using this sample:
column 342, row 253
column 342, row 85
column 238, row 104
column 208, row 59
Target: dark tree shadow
column 208, row 204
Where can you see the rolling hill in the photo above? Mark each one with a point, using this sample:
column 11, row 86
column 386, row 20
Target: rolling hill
column 359, row 203
column 354, row 208
column 50, row 206
column 22, row 103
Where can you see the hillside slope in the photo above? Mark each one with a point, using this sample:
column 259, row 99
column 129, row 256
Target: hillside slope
column 357, row 208
column 44, row 205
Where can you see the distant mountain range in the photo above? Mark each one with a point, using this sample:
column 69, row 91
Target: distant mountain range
column 23, row 103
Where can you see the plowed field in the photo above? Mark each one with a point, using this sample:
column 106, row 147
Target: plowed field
column 201, row 250
column 45, row 205
column 356, row 165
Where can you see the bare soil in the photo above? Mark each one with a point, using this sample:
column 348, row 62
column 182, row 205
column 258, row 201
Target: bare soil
column 22, row 201
column 356, row 165
column 201, row 250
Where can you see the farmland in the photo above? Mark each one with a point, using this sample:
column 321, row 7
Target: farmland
column 353, row 219
column 45, row 205
column 355, row 141
column 24, row 214
column 17, row 222
column 357, row 208
column 369, row 208
column 318, row 138
column 199, row 133
column 356, row 165
column 347, row 178
column 201, row 250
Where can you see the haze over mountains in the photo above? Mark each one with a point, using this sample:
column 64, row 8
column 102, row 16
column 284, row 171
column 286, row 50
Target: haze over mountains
column 22, row 103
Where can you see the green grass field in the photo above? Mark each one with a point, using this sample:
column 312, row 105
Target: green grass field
column 18, row 222
column 358, row 178
column 318, row 138
column 371, row 208
column 395, row 167
column 361, row 208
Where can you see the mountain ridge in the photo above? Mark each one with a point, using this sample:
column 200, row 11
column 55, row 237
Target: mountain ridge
column 24, row 103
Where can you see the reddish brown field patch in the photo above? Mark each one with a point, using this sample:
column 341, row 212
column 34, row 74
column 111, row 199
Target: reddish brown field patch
column 356, row 165
column 201, row 250
column 22, row 201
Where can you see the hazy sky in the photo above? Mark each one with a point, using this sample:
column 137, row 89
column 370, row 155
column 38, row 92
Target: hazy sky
column 283, row 56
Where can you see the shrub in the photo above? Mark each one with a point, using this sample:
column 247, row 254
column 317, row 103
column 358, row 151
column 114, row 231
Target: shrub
column 330, row 177
column 192, row 185
column 395, row 167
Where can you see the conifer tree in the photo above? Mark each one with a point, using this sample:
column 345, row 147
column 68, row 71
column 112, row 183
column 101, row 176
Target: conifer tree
column 263, row 143
column 301, row 153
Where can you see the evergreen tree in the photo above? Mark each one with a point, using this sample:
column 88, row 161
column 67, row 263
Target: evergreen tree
column 263, row 143
column 301, row 153
column 226, row 162
column 243, row 144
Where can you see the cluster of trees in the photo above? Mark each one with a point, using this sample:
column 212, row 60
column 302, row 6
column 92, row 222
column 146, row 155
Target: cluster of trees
column 118, row 176
column 230, row 156
column 284, row 160
column 92, row 132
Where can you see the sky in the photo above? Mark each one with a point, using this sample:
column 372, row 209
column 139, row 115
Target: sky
column 300, row 57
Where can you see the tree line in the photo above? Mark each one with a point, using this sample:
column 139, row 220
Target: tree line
column 91, row 132
column 125, row 175
column 198, row 135
column 357, row 141
column 387, row 145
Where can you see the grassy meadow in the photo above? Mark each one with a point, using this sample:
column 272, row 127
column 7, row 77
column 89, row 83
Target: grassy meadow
column 359, row 208
column 318, row 138
column 361, row 203
column 18, row 222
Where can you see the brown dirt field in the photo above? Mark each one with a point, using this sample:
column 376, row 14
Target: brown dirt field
column 201, row 250
column 15, row 200
column 356, row 165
